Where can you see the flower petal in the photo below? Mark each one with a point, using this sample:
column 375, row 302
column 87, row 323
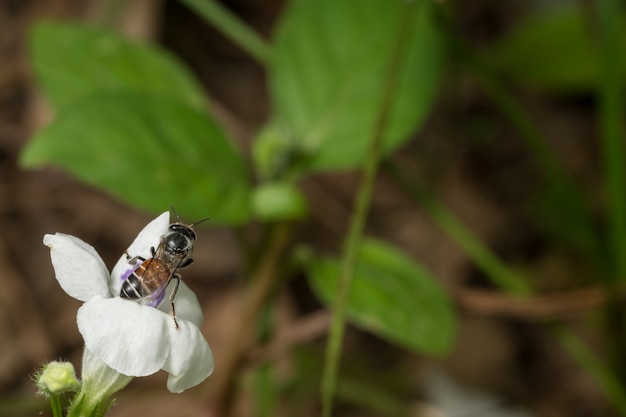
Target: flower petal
column 130, row 338
column 190, row 360
column 99, row 379
column 148, row 237
column 186, row 304
column 81, row 272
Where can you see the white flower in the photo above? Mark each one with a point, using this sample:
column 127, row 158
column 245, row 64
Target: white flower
column 133, row 339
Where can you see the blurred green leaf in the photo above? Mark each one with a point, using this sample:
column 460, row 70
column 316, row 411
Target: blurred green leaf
column 566, row 215
column 74, row 60
column 268, row 144
column 391, row 296
column 274, row 154
column 552, row 48
column 150, row 151
column 330, row 63
column 279, row 201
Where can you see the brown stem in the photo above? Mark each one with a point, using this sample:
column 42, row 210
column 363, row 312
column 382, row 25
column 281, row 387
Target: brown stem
column 559, row 306
column 299, row 332
column 262, row 281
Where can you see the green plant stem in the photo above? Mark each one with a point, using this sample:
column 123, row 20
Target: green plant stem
column 262, row 281
column 358, row 219
column 234, row 29
column 611, row 118
column 265, row 390
column 372, row 397
column 499, row 273
column 610, row 113
column 595, row 368
column 55, row 405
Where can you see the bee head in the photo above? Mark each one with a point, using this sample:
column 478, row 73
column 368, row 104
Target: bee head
column 182, row 229
column 178, row 240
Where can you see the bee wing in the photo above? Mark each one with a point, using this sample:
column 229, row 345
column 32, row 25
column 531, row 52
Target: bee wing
column 158, row 251
column 154, row 299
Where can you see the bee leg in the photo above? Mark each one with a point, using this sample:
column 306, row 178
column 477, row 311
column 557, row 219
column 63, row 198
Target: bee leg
column 173, row 296
column 152, row 251
column 187, row 262
column 133, row 259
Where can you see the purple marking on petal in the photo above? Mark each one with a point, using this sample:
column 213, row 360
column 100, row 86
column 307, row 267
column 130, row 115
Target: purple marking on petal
column 128, row 272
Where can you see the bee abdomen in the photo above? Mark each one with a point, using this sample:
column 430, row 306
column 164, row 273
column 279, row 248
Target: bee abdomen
column 132, row 288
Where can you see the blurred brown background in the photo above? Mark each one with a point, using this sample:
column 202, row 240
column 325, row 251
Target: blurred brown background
column 500, row 350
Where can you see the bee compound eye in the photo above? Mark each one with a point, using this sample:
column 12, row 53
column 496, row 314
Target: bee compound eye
column 183, row 230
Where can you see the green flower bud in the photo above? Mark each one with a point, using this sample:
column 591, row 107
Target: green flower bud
column 56, row 378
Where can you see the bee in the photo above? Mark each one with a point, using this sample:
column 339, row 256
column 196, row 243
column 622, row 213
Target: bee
column 148, row 279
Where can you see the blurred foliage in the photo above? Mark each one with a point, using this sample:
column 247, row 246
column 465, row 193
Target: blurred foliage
column 390, row 296
column 149, row 150
column 553, row 49
column 73, row 61
column 327, row 75
column 131, row 119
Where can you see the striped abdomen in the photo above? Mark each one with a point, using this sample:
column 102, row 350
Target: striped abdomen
column 149, row 279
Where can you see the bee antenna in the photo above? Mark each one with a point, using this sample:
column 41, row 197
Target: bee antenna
column 176, row 214
column 200, row 221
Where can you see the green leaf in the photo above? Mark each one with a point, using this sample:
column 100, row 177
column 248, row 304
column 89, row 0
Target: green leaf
column 552, row 49
column 391, row 296
column 329, row 66
column 279, row 201
column 270, row 151
column 74, row 60
column 567, row 216
column 150, row 151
